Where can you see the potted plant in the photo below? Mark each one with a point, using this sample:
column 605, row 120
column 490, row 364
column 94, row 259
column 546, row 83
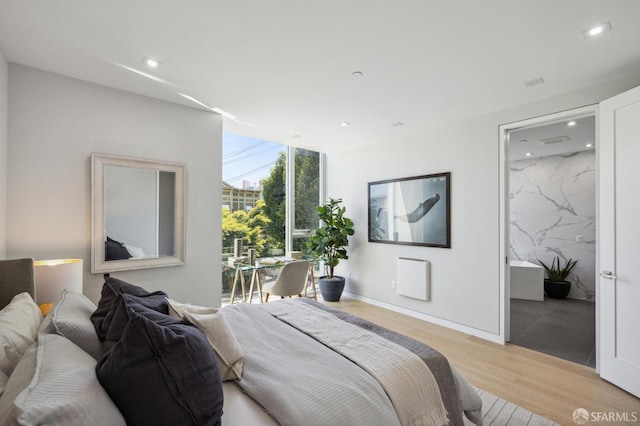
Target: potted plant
column 328, row 243
column 556, row 284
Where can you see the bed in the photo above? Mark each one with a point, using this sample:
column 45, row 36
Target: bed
column 139, row 357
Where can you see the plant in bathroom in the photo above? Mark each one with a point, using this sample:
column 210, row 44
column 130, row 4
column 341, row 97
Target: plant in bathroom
column 556, row 284
column 329, row 243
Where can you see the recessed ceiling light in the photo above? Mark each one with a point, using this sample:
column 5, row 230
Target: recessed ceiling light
column 296, row 136
column 596, row 30
column 528, row 154
column 572, row 123
column 345, row 124
column 523, row 141
column 151, row 63
column 397, row 124
column 589, row 145
column 357, row 74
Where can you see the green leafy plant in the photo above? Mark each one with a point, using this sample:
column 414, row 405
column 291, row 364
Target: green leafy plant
column 330, row 240
column 557, row 273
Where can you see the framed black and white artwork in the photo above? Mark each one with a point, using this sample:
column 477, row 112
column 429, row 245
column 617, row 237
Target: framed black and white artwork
column 413, row 210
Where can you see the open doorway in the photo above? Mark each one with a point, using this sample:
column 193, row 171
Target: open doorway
column 550, row 212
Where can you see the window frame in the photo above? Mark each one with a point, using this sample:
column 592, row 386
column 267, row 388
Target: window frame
column 291, row 232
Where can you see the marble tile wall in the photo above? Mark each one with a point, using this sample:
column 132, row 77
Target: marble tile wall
column 552, row 212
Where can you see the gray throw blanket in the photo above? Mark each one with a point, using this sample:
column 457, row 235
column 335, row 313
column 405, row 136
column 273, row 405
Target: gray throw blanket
column 450, row 384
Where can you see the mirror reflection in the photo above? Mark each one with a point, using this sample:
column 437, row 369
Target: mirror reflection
column 138, row 213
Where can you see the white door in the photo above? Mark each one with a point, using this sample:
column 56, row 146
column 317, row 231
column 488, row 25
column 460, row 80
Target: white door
column 619, row 238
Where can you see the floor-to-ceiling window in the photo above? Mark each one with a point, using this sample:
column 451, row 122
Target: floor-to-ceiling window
column 269, row 200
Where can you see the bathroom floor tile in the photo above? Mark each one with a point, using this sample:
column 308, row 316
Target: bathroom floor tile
column 564, row 328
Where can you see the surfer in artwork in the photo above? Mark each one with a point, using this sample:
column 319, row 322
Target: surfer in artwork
column 421, row 211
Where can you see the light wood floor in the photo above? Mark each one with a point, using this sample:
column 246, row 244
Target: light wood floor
column 548, row 386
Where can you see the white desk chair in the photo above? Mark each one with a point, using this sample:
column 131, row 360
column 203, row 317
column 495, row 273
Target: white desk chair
column 290, row 281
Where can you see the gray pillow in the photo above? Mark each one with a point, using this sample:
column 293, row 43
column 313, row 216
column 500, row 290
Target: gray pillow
column 101, row 318
column 64, row 389
column 162, row 371
column 71, row 317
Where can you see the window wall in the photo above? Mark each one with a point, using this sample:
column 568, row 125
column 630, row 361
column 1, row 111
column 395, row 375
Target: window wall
column 269, row 201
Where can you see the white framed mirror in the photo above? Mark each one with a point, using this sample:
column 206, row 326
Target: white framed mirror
column 137, row 213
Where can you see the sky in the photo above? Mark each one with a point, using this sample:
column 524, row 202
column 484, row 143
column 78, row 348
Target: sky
column 245, row 158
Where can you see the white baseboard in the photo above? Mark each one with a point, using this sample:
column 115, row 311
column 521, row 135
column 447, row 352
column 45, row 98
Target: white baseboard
column 429, row 318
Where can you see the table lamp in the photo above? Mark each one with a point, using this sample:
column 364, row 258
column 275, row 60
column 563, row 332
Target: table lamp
column 53, row 276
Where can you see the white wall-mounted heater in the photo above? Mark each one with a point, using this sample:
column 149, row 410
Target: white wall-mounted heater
column 413, row 278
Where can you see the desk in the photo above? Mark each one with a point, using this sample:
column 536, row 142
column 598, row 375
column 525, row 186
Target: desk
column 239, row 272
column 256, row 280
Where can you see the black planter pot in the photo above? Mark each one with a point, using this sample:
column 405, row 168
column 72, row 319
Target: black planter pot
column 557, row 289
column 331, row 288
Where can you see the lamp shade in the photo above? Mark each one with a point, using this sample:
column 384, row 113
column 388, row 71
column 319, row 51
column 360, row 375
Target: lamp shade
column 53, row 276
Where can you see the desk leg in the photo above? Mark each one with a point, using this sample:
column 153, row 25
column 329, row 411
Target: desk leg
column 259, row 285
column 313, row 283
column 310, row 280
column 255, row 279
column 306, row 285
column 235, row 285
column 244, row 287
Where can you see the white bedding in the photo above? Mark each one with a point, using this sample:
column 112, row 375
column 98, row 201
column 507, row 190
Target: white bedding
column 286, row 372
column 301, row 382
column 240, row 409
column 405, row 378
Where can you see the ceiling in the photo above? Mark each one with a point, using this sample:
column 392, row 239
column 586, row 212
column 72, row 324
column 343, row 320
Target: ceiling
column 285, row 68
column 553, row 139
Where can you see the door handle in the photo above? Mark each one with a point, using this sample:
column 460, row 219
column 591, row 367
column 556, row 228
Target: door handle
column 608, row 275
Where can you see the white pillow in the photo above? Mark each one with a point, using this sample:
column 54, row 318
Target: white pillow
column 135, row 252
column 174, row 307
column 19, row 322
column 19, row 380
column 65, row 389
column 177, row 309
column 225, row 345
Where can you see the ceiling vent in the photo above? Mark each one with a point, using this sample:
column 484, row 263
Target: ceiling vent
column 534, row 82
column 554, row 140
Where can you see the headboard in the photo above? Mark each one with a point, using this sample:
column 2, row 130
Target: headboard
column 16, row 276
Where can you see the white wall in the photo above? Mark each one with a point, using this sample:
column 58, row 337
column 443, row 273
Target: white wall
column 465, row 287
column 56, row 122
column 552, row 206
column 4, row 101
